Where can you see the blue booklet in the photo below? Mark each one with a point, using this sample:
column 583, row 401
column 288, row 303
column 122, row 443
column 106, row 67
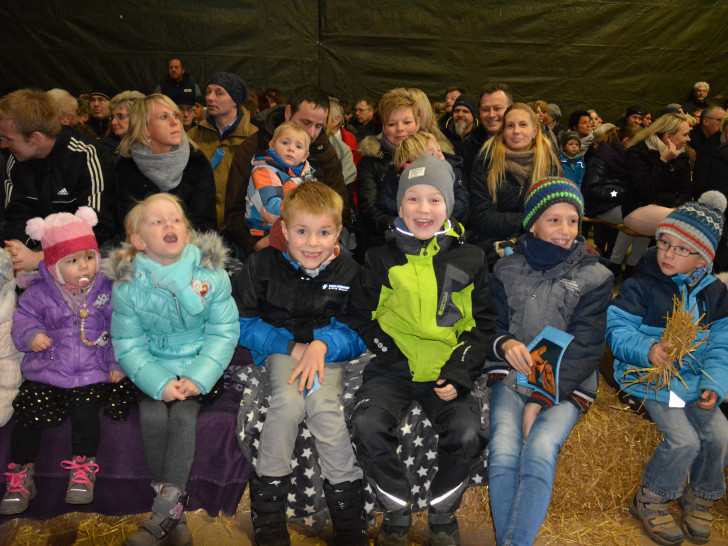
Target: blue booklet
column 546, row 351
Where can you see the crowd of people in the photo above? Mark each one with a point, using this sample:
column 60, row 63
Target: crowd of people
column 444, row 239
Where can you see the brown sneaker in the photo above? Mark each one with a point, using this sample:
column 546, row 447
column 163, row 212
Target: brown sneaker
column 654, row 514
column 697, row 519
column 20, row 488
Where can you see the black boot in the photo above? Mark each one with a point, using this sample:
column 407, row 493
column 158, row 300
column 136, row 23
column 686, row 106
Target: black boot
column 346, row 507
column 268, row 507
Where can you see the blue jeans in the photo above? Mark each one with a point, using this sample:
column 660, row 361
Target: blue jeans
column 695, row 442
column 521, row 475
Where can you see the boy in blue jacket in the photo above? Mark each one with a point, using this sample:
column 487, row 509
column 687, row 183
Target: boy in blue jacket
column 287, row 299
column 572, row 160
column 686, row 412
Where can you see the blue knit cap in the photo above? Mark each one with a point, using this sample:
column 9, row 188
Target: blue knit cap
column 698, row 224
column 547, row 192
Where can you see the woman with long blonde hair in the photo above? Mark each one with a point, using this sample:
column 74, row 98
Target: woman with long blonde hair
column 506, row 167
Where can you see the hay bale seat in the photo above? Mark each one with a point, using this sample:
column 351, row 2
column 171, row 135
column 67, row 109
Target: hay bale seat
column 217, row 482
column 598, row 472
column 306, row 506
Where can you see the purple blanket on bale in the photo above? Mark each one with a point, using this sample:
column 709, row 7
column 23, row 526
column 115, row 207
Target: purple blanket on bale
column 219, row 473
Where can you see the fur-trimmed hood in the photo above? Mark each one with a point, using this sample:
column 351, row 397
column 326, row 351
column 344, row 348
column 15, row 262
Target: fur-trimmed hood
column 214, row 256
column 371, row 146
column 7, row 286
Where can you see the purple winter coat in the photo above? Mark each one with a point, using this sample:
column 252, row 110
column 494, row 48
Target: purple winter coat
column 68, row 362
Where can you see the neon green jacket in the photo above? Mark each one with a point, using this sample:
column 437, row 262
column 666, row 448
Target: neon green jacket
column 424, row 307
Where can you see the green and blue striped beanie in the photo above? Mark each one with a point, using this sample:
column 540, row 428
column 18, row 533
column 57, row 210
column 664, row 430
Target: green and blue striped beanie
column 550, row 191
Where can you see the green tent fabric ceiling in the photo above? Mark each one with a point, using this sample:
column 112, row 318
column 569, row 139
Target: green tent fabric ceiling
column 606, row 54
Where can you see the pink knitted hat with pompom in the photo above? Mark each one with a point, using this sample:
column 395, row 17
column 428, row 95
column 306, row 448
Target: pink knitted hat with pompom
column 62, row 234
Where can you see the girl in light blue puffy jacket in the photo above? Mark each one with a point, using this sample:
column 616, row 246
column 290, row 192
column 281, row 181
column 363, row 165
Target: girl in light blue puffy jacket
column 175, row 327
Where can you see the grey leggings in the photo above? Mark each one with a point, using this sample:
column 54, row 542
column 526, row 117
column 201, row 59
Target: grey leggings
column 169, row 435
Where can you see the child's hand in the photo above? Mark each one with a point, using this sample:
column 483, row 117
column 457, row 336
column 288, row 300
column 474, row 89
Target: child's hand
column 115, row 376
column 708, row 399
column 298, row 350
column 311, row 362
column 40, row 342
column 518, row 356
column 189, row 387
column 658, row 355
column 530, row 412
column 446, row 393
column 172, row 392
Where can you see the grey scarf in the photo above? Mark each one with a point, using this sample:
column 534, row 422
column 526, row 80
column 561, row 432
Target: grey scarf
column 164, row 170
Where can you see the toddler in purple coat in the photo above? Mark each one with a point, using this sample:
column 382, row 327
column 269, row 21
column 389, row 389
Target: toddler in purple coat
column 62, row 325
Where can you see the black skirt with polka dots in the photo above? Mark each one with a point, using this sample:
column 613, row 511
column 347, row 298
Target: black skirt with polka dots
column 43, row 406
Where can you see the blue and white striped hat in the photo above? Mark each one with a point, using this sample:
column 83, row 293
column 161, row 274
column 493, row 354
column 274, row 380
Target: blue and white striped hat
column 698, row 224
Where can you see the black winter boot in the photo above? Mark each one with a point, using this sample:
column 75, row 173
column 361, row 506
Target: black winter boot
column 268, row 497
column 346, row 507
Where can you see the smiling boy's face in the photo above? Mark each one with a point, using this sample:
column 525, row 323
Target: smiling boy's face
column 558, row 224
column 311, row 238
column 423, row 210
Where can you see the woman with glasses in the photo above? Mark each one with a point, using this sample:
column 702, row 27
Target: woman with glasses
column 119, row 106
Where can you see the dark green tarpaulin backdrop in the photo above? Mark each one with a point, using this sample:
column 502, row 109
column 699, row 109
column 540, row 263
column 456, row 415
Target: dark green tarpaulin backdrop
column 605, row 54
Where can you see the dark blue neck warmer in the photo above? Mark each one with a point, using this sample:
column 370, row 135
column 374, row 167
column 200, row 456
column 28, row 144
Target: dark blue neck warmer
column 296, row 169
column 542, row 255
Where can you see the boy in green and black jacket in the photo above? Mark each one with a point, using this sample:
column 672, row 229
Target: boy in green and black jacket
column 423, row 307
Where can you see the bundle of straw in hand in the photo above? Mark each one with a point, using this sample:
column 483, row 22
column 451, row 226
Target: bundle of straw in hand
column 680, row 339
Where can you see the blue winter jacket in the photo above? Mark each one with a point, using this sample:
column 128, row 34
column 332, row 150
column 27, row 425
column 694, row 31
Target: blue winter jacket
column 636, row 320
column 189, row 330
column 574, row 167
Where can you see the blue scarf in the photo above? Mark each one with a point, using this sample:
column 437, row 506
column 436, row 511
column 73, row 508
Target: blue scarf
column 296, row 169
column 542, row 255
column 176, row 277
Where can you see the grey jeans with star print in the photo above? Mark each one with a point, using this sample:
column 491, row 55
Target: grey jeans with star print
column 324, row 417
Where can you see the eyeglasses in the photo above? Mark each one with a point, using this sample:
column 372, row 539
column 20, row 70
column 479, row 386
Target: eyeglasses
column 716, row 119
column 120, row 117
column 678, row 250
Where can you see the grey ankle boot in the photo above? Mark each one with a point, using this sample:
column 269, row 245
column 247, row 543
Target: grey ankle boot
column 20, row 488
column 697, row 519
column 653, row 511
column 167, row 510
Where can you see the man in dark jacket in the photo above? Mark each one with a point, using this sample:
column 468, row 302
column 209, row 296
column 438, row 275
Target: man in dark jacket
column 308, row 107
column 99, row 102
column 494, row 100
column 178, row 83
column 464, row 121
column 49, row 170
column 709, row 125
